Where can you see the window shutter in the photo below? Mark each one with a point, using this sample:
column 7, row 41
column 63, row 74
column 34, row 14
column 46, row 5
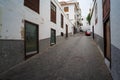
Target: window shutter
column 32, row 4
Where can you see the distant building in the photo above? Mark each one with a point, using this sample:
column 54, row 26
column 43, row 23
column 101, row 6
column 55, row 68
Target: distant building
column 105, row 25
column 28, row 27
column 73, row 12
column 85, row 25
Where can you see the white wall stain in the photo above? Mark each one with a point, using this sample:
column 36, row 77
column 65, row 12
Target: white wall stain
column 22, row 32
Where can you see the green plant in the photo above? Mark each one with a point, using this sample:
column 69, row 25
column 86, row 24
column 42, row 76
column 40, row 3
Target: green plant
column 88, row 18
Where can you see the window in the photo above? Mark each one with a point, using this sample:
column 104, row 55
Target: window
column 66, row 9
column 67, row 16
column 53, row 13
column 62, row 21
column 32, row 4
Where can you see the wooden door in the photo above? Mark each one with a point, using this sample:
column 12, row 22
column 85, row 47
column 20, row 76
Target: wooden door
column 31, row 38
column 53, row 37
column 66, row 30
column 93, row 31
column 107, row 40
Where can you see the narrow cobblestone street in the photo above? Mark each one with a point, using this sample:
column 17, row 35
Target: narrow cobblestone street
column 77, row 58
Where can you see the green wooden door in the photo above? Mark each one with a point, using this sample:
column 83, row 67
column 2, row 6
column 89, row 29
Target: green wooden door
column 31, row 38
column 53, row 37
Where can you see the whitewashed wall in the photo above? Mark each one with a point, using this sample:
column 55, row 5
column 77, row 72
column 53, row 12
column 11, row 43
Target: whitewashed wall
column 98, row 28
column 115, row 33
column 11, row 19
column 115, row 23
column 71, row 12
column 115, row 38
column 14, row 13
column 85, row 24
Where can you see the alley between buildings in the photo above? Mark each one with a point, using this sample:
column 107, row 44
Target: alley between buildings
column 76, row 58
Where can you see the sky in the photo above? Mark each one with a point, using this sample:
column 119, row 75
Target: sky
column 84, row 5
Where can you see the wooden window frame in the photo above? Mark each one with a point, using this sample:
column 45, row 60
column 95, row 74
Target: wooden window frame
column 53, row 12
column 66, row 9
column 33, row 5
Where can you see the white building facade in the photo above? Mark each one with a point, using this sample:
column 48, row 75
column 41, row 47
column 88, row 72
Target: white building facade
column 105, row 27
column 26, row 29
column 85, row 25
column 73, row 12
column 97, row 23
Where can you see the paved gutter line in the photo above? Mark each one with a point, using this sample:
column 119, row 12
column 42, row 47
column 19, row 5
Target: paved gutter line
column 105, row 60
column 100, row 50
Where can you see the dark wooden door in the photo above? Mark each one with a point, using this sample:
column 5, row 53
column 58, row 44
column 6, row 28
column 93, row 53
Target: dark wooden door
column 107, row 40
column 66, row 30
column 93, row 31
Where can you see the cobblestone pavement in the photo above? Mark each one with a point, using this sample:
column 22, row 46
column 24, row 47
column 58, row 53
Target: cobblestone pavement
column 77, row 58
